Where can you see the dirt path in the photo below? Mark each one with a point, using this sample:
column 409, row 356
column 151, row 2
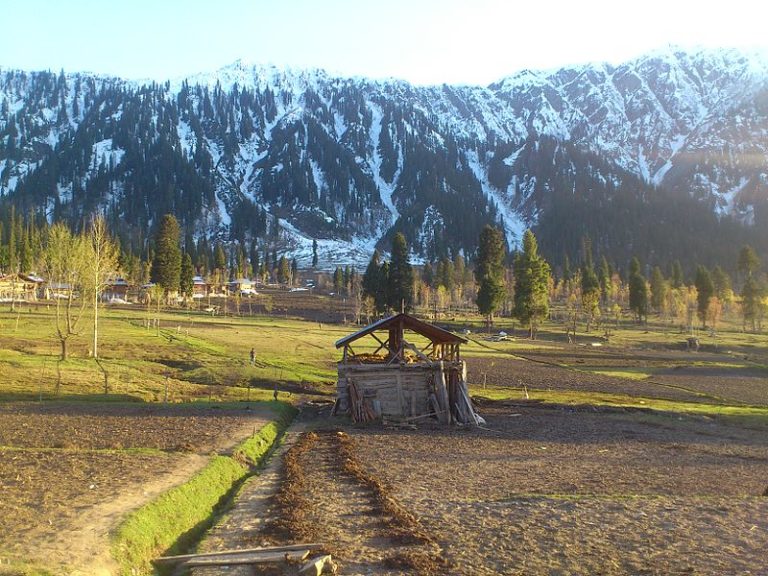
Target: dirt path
column 328, row 497
column 86, row 546
column 314, row 489
column 243, row 526
column 76, row 542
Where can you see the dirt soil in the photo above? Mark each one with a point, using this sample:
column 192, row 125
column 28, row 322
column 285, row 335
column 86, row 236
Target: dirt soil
column 70, row 472
column 316, row 491
column 566, row 491
column 119, row 426
column 676, row 376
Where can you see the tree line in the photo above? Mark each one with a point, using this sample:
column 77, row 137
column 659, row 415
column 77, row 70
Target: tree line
column 521, row 284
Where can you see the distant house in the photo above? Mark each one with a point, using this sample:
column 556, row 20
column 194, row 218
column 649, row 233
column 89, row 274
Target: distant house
column 390, row 377
column 200, row 288
column 59, row 290
column 19, row 287
column 116, row 290
column 243, row 286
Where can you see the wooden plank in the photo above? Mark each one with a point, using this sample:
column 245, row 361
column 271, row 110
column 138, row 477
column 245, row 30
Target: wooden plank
column 246, row 559
column 287, row 548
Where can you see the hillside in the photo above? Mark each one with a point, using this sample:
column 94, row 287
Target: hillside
column 663, row 156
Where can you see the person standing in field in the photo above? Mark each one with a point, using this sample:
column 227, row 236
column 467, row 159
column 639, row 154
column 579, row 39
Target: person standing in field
column 253, row 356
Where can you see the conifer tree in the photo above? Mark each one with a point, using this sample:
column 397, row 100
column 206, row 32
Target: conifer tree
column 489, row 272
column 381, row 297
column 531, row 285
column 400, row 281
column 166, row 265
column 748, row 262
column 590, row 287
column 752, row 295
column 187, row 277
column 638, row 291
column 676, row 277
column 605, row 278
column 371, row 276
column 338, row 280
column 659, row 289
column 283, row 270
column 428, row 275
column 705, row 290
column 567, row 272
column 722, row 282
column 314, row 253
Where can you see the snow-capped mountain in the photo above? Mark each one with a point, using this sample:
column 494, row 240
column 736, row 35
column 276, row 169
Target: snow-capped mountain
column 280, row 157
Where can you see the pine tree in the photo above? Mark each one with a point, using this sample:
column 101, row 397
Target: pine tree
column 314, row 253
column 590, row 287
column 219, row 258
column 705, row 290
column 722, row 282
column 659, row 289
column 567, row 272
column 748, row 262
column 605, row 278
column 166, row 265
column 338, row 280
column 489, row 272
column 638, row 291
column 400, row 281
column 676, row 277
column 428, row 275
column 371, row 276
column 283, row 270
column 381, row 296
column 752, row 295
column 187, row 277
column 531, row 285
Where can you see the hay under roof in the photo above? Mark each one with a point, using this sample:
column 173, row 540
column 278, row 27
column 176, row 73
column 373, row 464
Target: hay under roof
column 402, row 322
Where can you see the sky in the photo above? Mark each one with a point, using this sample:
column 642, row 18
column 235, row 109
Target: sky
column 421, row 41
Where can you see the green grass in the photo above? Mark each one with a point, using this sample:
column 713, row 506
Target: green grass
column 198, row 356
column 176, row 519
column 574, row 398
column 17, row 569
column 627, row 373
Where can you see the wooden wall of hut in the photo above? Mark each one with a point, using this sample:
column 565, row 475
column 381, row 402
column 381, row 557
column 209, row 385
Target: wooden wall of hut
column 373, row 391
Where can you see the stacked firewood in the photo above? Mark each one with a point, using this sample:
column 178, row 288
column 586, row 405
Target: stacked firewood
column 361, row 410
column 463, row 410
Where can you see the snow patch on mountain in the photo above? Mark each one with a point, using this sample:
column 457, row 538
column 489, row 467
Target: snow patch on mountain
column 514, row 225
column 386, row 190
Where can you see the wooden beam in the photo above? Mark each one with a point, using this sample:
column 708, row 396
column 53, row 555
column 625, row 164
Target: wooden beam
column 268, row 549
column 249, row 559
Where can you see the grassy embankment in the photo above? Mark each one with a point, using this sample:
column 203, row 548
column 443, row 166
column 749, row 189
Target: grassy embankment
column 176, row 520
column 190, row 356
column 193, row 356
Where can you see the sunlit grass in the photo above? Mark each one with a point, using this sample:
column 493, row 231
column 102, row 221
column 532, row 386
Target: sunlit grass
column 627, row 373
column 577, row 398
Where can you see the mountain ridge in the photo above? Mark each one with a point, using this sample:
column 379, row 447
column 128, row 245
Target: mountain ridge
column 349, row 161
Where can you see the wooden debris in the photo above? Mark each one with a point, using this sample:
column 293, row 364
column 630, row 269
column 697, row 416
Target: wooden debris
column 319, row 565
column 291, row 552
column 248, row 559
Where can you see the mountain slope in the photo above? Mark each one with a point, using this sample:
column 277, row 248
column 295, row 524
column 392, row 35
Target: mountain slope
column 276, row 157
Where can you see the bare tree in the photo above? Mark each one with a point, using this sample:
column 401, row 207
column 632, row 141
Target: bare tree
column 101, row 263
column 64, row 263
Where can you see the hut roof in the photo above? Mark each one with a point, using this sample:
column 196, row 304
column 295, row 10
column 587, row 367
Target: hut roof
column 403, row 321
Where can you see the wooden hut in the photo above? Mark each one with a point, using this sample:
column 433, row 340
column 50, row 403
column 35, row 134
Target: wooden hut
column 402, row 379
column 19, row 287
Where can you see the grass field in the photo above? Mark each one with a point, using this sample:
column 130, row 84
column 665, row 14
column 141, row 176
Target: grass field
column 180, row 389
